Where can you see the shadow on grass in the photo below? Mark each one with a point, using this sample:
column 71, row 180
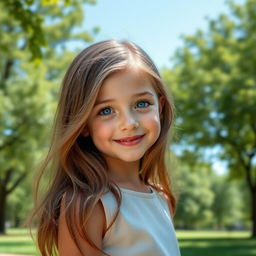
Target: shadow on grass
column 218, row 246
column 15, row 243
column 17, row 247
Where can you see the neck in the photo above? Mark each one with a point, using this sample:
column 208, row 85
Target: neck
column 124, row 174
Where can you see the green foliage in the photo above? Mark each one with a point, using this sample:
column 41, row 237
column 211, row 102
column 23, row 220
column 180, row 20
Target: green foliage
column 20, row 201
column 28, row 91
column 30, row 20
column 208, row 200
column 196, row 198
column 214, row 86
column 228, row 204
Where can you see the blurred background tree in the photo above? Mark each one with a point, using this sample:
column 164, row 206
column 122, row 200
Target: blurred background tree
column 196, row 198
column 228, row 203
column 214, row 86
column 34, row 55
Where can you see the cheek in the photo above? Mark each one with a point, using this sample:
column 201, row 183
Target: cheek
column 101, row 131
column 152, row 123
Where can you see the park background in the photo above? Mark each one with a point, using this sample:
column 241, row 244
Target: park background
column 205, row 51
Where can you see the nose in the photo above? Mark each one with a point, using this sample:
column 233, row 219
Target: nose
column 128, row 121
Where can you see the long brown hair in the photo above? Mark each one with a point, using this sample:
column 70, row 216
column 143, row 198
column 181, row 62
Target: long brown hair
column 77, row 168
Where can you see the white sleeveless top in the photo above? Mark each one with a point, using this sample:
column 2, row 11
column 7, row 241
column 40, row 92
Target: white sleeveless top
column 142, row 228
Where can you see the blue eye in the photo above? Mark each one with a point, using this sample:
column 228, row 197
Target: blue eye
column 142, row 104
column 105, row 111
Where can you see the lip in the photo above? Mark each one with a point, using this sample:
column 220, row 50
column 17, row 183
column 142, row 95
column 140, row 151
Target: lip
column 130, row 141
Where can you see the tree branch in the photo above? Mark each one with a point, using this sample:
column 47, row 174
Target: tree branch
column 10, row 142
column 253, row 125
column 13, row 138
column 6, row 72
column 17, row 182
column 247, row 166
column 8, row 176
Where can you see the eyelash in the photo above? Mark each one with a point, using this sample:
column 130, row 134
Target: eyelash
column 136, row 106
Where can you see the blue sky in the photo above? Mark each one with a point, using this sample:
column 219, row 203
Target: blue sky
column 154, row 25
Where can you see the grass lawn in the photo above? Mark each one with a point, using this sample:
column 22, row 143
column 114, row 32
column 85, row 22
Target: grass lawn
column 192, row 243
column 17, row 241
column 216, row 243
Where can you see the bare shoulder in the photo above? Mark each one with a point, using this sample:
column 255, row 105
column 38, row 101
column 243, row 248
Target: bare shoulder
column 95, row 228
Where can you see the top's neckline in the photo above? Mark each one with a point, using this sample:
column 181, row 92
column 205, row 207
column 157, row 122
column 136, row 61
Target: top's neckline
column 139, row 194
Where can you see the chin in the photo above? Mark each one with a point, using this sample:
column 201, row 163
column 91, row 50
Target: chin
column 131, row 158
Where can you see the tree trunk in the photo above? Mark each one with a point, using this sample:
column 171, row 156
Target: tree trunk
column 4, row 192
column 254, row 213
column 3, row 196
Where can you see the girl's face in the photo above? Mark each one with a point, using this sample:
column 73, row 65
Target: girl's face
column 125, row 120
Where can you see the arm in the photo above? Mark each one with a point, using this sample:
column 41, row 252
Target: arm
column 95, row 230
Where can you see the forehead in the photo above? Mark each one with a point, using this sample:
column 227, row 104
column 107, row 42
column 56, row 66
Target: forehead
column 125, row 83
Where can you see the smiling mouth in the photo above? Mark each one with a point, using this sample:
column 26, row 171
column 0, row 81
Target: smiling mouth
column 130, row 141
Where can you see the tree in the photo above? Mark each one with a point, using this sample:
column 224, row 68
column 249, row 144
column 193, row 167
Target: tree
column 214, row 85
column 228, row 203
column 196, row 197
column 30, row 21
column 19, row 202
column 28, row 90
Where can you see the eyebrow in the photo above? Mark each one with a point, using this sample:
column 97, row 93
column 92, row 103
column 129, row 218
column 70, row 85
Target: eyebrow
column 134, row 95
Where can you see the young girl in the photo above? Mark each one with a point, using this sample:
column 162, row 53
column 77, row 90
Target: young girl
column 110, row 193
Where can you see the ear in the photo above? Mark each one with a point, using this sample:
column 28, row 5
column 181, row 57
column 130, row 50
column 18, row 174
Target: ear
column 85, row 132
column 161, row 104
